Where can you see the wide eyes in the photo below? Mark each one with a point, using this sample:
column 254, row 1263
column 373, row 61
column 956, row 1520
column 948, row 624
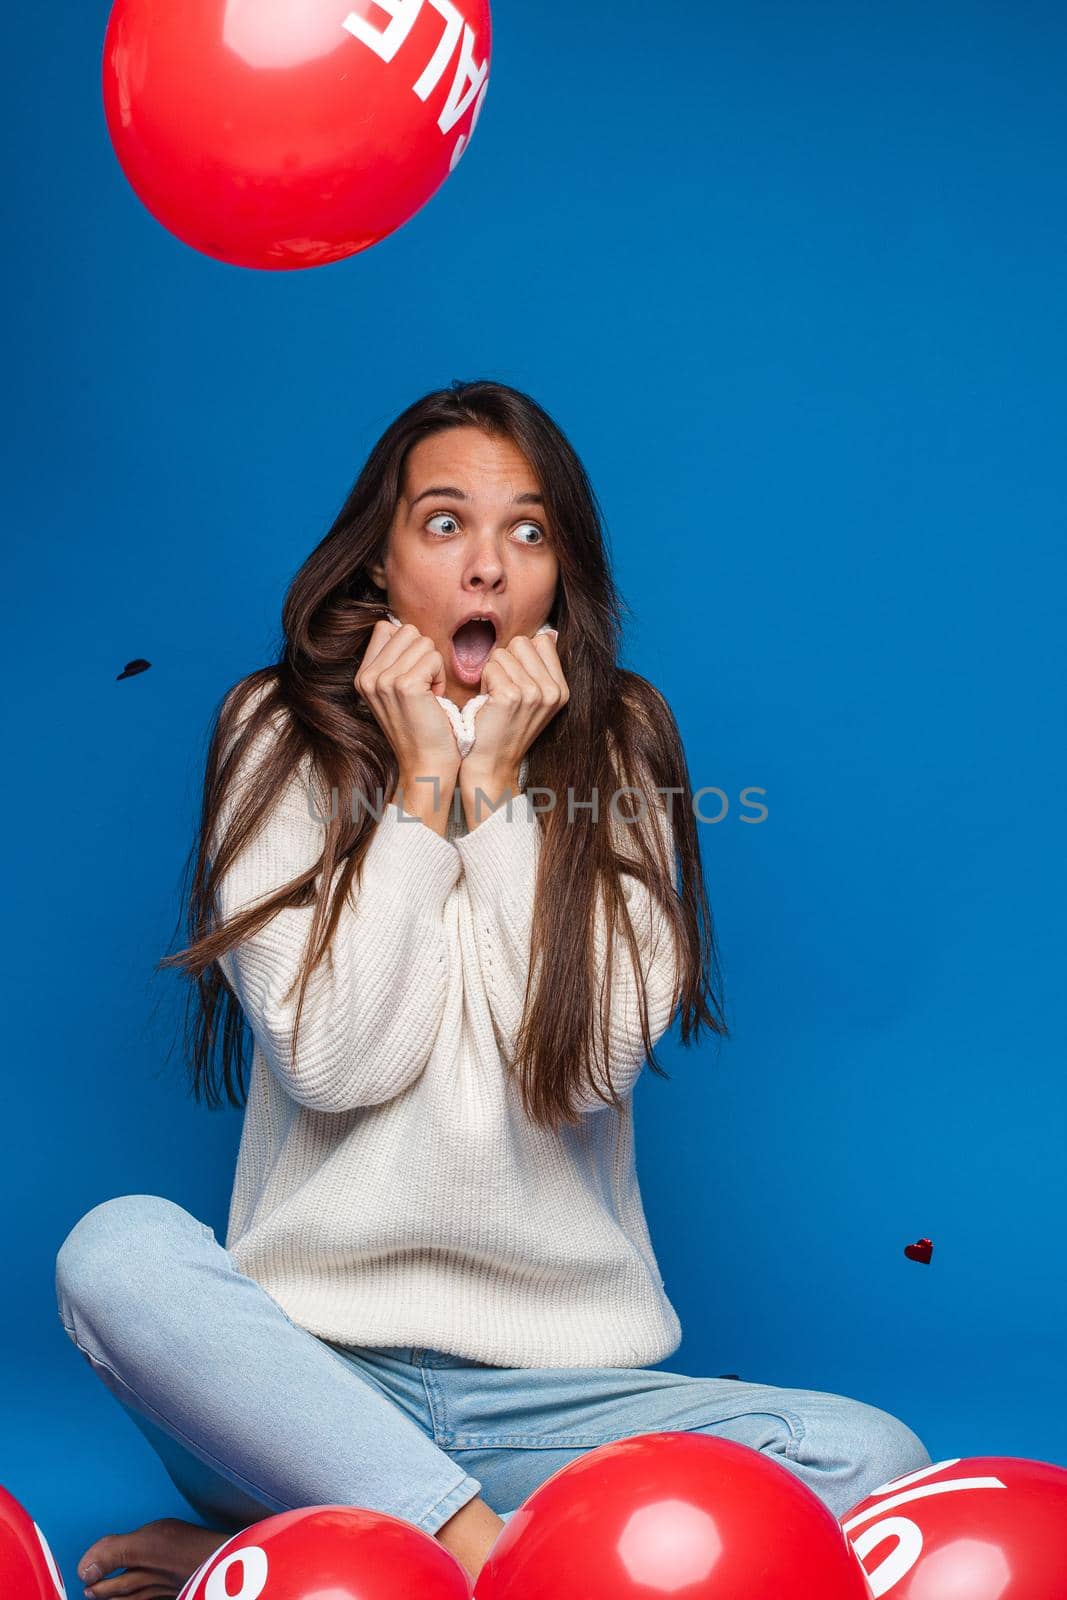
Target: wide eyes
column 446, row 516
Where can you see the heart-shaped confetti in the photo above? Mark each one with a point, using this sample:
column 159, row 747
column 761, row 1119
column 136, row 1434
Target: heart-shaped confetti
column 922, row 1250
column 139, row 664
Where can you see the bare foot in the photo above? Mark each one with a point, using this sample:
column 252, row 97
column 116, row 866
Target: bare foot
column 158, row 1558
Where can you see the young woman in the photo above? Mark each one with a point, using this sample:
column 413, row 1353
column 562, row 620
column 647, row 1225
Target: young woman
column 438, row 1284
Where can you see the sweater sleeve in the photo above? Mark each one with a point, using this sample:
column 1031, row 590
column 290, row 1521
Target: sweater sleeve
column 500, row 862
column 372, row 1012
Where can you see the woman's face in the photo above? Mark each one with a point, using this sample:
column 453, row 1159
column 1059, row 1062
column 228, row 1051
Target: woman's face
column 469, row 535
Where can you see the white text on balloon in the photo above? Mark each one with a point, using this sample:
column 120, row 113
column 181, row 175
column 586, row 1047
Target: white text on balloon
column 468, row 78
column 908, row 1535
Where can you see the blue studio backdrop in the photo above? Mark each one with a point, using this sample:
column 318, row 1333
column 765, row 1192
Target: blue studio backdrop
column 791, row 278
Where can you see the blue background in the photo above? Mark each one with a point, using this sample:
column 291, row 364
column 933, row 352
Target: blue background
column 791, row 278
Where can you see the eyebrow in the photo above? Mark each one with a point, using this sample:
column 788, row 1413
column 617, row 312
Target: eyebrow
column 530, row 499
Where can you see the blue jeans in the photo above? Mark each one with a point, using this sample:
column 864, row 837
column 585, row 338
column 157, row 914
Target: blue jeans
column 252, row 1415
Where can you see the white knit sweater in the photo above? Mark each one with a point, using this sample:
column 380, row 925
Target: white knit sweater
column 389, row 1187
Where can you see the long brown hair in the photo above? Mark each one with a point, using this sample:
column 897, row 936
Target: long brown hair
column 615, row 730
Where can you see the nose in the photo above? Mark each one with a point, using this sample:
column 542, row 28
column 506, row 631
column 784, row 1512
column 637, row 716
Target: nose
column 485, row 570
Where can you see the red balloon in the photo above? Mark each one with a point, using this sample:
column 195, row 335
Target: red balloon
column 27, row 1566
column 977, row 1528
column 291, row 133
column 330, row 1553
column 678, row 1515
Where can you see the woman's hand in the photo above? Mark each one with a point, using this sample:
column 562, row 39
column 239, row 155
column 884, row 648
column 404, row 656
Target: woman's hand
column 526, row 688
column 401, row 671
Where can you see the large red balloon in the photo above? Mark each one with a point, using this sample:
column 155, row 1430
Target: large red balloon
column 330, row 1553
column 681, row 1516
column 291, row 133
column 978, row 1528
column 27, row 1566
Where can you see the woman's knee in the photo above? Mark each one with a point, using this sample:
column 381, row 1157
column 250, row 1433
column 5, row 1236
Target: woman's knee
column 110, row 1244
column 890, row 1447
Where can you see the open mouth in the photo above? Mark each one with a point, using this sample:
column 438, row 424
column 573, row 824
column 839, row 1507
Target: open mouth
column 471, row 646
